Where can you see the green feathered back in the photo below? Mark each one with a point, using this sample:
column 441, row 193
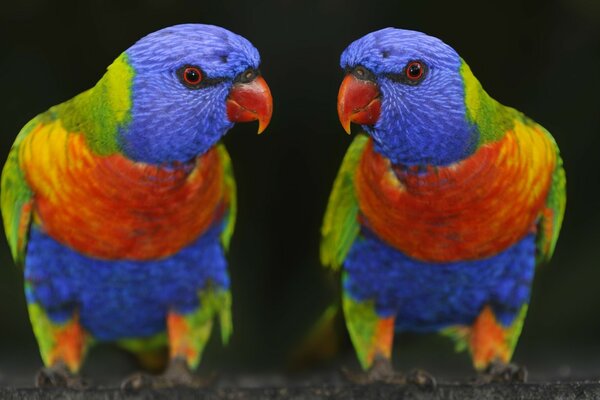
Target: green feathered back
column 98, row 113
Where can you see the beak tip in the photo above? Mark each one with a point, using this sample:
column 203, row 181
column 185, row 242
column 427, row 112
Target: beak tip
column 346, row 122
column 347, row 128
column 358, row 102
column 264, row 120
column 250, row 102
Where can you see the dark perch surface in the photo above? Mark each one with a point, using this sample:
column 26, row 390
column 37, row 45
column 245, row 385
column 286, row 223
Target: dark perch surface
column 572, row 374
column 571, row 390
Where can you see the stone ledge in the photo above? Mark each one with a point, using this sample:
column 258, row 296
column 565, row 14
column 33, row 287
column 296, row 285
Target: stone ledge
column 551, row 390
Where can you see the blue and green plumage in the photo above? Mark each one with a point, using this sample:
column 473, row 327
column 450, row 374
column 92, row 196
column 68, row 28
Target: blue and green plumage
column 423, row 218
column 120, row 203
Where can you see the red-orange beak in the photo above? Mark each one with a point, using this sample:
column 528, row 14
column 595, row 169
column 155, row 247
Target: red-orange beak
column 251, row 101
column 358, row 102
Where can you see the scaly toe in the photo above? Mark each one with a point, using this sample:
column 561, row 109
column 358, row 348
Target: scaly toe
column 380, row 371
column 59, row 376
column 422, row 379
column 503, row 373
column 137, row 381
column 176, row 374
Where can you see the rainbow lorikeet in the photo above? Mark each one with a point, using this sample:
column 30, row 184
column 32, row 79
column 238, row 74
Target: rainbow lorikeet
column 442, row 210
column 120, row 202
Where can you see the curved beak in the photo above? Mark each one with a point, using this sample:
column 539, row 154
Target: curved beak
column 358, row 102
column 250, row 101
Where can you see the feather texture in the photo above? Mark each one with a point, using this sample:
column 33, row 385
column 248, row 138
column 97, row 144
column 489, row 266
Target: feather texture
column 440, row 217
column 465, row 211
column 120, row 203
column 110, row 207
column 340, row 225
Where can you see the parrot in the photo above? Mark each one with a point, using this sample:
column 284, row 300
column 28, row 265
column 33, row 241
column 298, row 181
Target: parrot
column 444, row 204
column 120, row 203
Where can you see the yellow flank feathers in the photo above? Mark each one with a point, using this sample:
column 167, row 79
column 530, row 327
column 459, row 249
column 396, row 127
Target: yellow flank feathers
column 541, row 156
column 43, row 155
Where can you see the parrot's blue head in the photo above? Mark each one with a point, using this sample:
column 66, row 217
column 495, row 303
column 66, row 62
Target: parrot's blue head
column 406, row 89
column 190, row 83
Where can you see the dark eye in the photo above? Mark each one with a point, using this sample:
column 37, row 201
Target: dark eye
column 415, row 71
column 190, row 76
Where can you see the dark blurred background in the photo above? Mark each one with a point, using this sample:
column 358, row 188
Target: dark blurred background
column 541, row 56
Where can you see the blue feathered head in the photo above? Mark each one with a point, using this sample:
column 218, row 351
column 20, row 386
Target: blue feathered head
column 407, row 91
column 190, row 84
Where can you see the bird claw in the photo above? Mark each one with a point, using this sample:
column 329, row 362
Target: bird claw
column 370, row 377
column 422, row 378
column 176, row 374
column 382, row 372
column 59, row 375
column 499, row 372
column 137, row 381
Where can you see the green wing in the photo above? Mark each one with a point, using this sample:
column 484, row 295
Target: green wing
column 16, row 198
column 340, row 225
column 220, row 300
column 552, row 217
column 231, row 195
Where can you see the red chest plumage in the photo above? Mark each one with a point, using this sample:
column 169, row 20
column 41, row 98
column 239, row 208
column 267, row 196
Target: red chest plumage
column 110, row 207
column 470, row 210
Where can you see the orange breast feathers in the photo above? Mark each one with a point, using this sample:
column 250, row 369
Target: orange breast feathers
column 469, row 210
column 110, row 207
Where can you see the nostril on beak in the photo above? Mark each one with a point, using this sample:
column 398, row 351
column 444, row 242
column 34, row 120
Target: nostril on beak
column 247, row 76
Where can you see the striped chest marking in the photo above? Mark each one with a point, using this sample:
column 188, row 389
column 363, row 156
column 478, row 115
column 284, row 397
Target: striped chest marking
column 469, row 210
column 110, row 207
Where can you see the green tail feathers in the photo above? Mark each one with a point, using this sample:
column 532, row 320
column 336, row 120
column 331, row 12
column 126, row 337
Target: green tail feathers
column 322, row 342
